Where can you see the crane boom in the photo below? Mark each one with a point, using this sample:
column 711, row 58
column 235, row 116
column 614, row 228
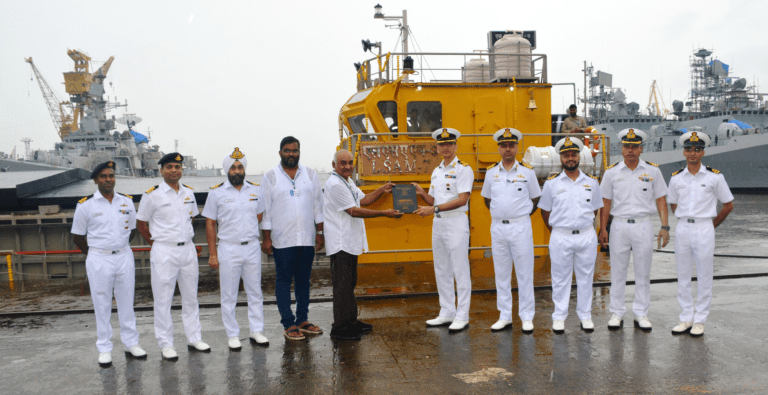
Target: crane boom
column 654, row 99
column 104, row 69
column 61, row 112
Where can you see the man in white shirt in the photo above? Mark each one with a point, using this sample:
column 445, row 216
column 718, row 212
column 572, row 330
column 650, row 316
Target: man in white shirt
column 632, row 190
column 694, row 192
column 237, row 206
column 346, row 239
column 102, row 228
column 451, row 185
column 569, row 204
column 293, row 232
column 165, row 220
column 511, row 191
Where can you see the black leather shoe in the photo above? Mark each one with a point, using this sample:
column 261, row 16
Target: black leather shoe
column 362, row 326
column 346, row 334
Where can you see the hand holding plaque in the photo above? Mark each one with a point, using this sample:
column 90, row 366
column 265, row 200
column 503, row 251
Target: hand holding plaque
column 404, row 198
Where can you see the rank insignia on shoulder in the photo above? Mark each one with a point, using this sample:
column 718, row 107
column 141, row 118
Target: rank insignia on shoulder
column 84, row 199
column 128, row 196
column 590, row 175
column 611, row 166
column 152, row 189
column 252, row 183
column 526, row 165
column 216, row 186
column 552, row 177
column 187, row 186
column 492, row 166
column 652, row 164
column 713, row 170
column 678, row 172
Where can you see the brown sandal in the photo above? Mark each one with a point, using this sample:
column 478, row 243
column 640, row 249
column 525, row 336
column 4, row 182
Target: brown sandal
column 293, row 331
column 308, row 327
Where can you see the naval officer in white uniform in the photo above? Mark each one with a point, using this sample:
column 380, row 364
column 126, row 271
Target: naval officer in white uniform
column 449, row 191
column 633, row 190
column 511, row 192
column 237, row 205
column 569, row 204
column 694, row 192
column 165, row 220
column 102, row 228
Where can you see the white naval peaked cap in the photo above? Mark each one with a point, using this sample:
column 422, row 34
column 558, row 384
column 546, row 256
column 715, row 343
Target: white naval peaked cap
column 446, row 135
column 507, row 134
column 569, row 144
column 632, row 136
column 694, row 139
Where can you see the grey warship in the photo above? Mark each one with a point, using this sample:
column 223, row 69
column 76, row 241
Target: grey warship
column 723, row 106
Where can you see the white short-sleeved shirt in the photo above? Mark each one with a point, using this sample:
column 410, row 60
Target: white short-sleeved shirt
column 292, row 207
column 343, row 232
column 633, row 193
column 107, row 225
column 572, row 203
column 169, row 213
column 696, row 196
column 236, row 211
column 449, row 181
column 510, row 191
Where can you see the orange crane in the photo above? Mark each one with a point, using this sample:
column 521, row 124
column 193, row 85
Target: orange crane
column 62, row 112
column 654, row 99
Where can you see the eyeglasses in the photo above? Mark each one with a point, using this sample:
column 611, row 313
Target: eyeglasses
column 697, row 150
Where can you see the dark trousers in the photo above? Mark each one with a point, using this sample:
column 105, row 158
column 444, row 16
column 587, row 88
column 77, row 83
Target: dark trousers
column 344, row 278
column 293, row 264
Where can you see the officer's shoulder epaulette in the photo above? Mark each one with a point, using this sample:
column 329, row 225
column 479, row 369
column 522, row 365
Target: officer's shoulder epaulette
column 187, row 186
column 611, row 166
column 492, row 166
column 84, row 199
column 216, row 186
column 713, row 170
column 152, row 189
column 552, row 177
column 252, row 183
column 591, row 176
column 128, row 196
column 678, row 172
column 526, row 165
column 652, row 164
column 461, row 162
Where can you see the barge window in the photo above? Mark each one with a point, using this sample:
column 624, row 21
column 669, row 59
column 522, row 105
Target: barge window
column 424, row 116
column 388, row 110
column 357, row 123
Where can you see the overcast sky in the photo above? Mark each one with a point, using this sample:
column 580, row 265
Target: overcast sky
column 220, row 74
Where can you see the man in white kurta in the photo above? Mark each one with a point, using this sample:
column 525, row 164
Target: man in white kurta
column 569, row 202
column 633, row 190
column 693, row 193
column 102, row 228
column 237, row 205
column 511, row 191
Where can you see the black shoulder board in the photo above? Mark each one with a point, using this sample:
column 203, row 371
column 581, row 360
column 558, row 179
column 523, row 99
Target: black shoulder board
column 492, row 166
column 652, row 164
column 526, row 165
column 84, row 199
column 252, row 183
column 152, row 189
column 216, row 186
column 611, row 166
column 128, row 196
column 187, row 186
column 552, row 177
column 713, row 170
column 678, row 172
column 590, row 175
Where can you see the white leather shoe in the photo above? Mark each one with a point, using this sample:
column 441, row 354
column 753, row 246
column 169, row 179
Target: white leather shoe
column 259, row 338
column 682, row 328
column 616, row 322
column 199, row 346
column 558, row 326
column 643, row 323
column 105, row 359
column 500, row 324
column 458, row 325
column 697, row 330
column 169, row 353
column 587, row 325
column 527, row 326
column 234, row 343
column 135, row 352
column 439, row 321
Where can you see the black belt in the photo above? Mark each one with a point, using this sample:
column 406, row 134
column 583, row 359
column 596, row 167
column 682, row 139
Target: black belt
column 244, row 243
column 630, row 221
column 180, row 244
column 574, row 232
column 504, row 221
column 691, row 221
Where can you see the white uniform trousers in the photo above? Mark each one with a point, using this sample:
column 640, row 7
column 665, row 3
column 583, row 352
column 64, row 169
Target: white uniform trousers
column 169, row 264
column 694, row 245
column 450, row 252
column 636, row 238
column 108, row 273
column 568, row 253
column 240, row 261
column 512, row 244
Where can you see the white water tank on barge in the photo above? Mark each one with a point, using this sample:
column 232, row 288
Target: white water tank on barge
column 477, row 70
column 512, row 57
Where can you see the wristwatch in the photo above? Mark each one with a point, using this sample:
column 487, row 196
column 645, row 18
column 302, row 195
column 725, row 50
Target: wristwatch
column 320, row 232
column 666, row 228
column 437, row 209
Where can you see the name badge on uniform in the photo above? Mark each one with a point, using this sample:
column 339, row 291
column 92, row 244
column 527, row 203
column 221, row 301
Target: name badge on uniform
column 496, row 180
column 229, row 200
column 164, row 205
column 680, row 186
column 560, row 191
column 97, row 215
column 295, row 192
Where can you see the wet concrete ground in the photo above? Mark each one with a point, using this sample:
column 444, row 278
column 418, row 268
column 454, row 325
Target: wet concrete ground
column 56, row 354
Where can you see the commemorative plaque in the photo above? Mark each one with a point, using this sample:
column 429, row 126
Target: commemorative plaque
column 404, row 198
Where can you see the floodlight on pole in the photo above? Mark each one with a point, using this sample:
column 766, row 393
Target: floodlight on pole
column 378, row 14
